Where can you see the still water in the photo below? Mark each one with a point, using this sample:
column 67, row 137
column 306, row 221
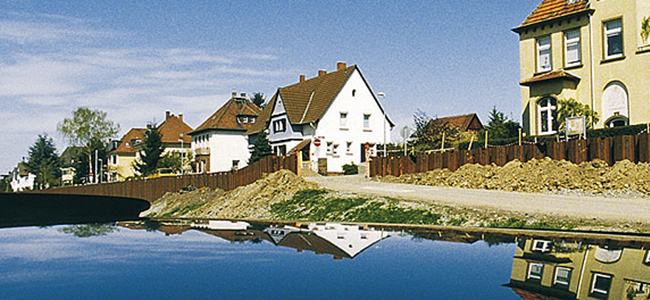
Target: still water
column 236, row 260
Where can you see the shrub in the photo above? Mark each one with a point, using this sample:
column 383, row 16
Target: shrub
column 350, row 169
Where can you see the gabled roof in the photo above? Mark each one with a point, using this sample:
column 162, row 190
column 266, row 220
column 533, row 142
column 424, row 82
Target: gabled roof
column 130, row 138
column 463, row 122
column 553, row 75
column 225, row 118
column 172, row 128
column 307, row 101
column 554, row 9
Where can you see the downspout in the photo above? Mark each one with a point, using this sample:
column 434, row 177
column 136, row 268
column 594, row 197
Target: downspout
column 591, row 67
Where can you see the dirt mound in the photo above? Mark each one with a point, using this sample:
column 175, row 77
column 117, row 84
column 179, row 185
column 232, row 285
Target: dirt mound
column 541, row 175
column 250, row 201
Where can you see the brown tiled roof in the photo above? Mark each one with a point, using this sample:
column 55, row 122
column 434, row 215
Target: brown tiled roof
column 126, row 146
column 555, row 74
column 553, row 9
column 225, row 118
column 171, row 129
column 306, row 101
column 463, row 122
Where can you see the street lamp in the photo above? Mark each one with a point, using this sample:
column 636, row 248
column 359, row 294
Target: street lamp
column 383, row 96
column 180, row 138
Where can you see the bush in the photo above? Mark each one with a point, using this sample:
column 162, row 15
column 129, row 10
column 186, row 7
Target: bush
column 350, row 169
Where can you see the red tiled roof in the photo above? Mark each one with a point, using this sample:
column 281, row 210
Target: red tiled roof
column 126, row 146
column 171, row 129
column 306, row 101
column 463, row 122
column 225, row 118
column 556, row 74
column 553, row 9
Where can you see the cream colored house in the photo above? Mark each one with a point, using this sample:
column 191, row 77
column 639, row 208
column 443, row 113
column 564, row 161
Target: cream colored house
column 592, row 51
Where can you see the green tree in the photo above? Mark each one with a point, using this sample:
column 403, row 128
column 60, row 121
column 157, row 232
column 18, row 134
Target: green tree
column 261, row 148
column 258, row 99
column 645, row 29
column 85, row 159
column 572, row 108
column 5, row 185
column 499, row 127
column 175, row 161
column 420, row 122
column 151, row 151
column 429, row 132
column 44, row 162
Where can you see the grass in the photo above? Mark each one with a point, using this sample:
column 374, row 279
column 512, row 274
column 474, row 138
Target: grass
column 513, row 222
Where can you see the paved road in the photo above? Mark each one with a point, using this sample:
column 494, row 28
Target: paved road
column 601, row 208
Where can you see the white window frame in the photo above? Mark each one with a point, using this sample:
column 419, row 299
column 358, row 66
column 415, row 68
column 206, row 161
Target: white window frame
column 541, row 246
column 366, row 121
column 343, row 121
column 542, row 49
column 555, row 278
column 530, row 274
column 572, row 39
column 279, row 125
column 594, row 290
column 616, row 31
column 550, row 108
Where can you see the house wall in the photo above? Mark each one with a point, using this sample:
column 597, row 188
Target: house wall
column 123, row 168
column 224, row 147
column 292, row 134
column 329, row 129
column 631, row 70
column 20, row 183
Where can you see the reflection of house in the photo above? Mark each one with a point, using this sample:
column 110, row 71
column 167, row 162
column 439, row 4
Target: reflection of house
column 338, row 108
column 220, row 225
column 569, row 270
column 21, row 179
column 220, row 143
column 591, row 51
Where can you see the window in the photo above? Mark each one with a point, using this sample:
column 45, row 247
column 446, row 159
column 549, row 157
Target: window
column 600, row 285
column 562, row 277
column 546, row 109
column 535, row 272
column 616, row 122
column 572, row 48
column 366, row 121
column 252, row 119
column 646, row 260
column 335, row 149
column 235, row 164
column 354, row 92
column 348, row 147
column 280, row 150
column 329, row 147
column 541, row 246
column 544, row 54
column 280, row 125
column 613, row 38
column 344, row 120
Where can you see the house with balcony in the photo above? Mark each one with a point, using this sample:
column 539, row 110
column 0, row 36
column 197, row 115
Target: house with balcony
column 596, row 52
column 328, row 120
column 220, row 142
column 21, row 178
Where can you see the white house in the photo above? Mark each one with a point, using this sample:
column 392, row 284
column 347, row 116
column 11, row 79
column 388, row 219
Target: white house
column 220, row 143
column 21, row 179
column 328, row 118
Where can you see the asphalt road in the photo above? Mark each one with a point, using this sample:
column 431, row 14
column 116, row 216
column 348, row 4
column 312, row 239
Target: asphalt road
column 600, row 208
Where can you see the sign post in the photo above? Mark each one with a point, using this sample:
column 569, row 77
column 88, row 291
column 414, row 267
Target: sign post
column 406, row 133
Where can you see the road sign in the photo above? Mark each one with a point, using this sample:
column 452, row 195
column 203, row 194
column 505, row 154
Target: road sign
column 317, row 142
column 406, row 132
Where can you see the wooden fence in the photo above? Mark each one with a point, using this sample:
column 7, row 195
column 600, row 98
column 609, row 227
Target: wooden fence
column 635, row 148
column 152, row 189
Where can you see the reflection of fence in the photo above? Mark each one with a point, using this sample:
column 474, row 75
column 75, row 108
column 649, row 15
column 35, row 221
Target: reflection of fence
column 635, row 148
column 152, row 189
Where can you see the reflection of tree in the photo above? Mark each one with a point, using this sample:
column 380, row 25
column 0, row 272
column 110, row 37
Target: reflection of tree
column 151, row 225
column 257, row 241
column 88, row 230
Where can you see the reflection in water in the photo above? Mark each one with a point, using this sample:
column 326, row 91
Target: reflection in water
column 338, row 240
column 564, row 269
column 88, row 230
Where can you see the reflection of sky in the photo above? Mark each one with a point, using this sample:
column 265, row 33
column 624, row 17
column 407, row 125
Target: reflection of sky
column 127, row 264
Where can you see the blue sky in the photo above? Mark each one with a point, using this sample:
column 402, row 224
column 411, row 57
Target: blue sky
column 135, row 60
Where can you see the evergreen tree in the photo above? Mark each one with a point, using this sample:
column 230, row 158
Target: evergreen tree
column 499, row 127
column 152, row 149
column 261, row 148
column 259, row 99
column 44, row 162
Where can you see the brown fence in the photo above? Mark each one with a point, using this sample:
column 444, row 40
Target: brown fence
column 152, row 189
column 635, row 148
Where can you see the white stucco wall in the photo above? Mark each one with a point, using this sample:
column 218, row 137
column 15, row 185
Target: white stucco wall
column 21, row 183
column 225, row 146
column 329, row 129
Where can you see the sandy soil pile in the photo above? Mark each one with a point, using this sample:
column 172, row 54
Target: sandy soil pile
column 543, row 175
column 250, row 201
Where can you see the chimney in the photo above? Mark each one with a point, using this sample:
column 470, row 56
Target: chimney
column 180, row 116
column 234, row 94
column 167, row 115
column 321, row 72
column 243, row 95
column 340, row 65
column 302, row 78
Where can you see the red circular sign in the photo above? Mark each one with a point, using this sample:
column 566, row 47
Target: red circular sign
column 317, row 142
